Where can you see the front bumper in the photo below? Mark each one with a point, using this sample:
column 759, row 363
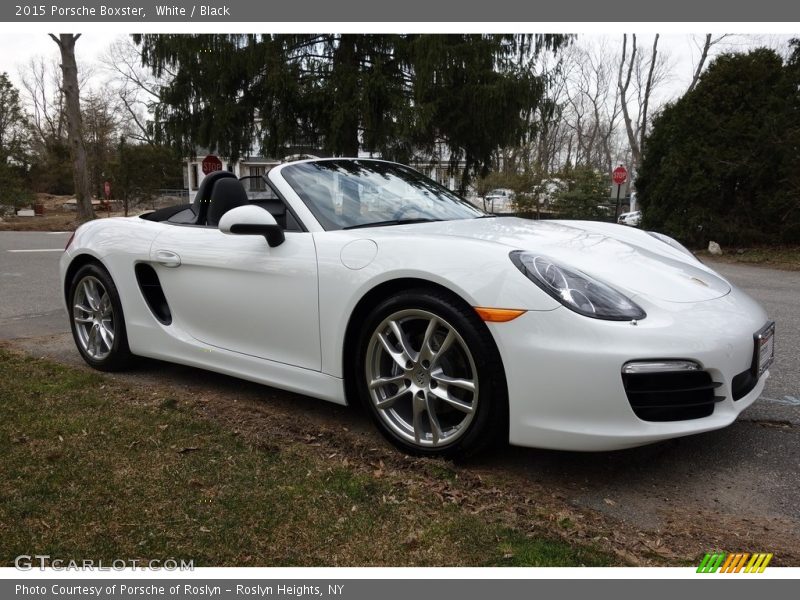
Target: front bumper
column 564, row 370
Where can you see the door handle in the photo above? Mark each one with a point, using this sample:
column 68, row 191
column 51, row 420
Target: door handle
column 168, row 258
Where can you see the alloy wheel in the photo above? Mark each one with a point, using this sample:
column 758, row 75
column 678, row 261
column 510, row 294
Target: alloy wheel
column 421, row 378
column 93, row 316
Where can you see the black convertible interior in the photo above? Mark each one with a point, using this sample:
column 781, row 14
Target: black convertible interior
column 221, row 191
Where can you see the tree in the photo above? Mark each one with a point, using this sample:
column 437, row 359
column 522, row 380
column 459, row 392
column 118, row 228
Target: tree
column 639, row 76
column 585, row 195
column 139, row 170
column 137, row 90
column 13, row 122
column 392, row 95
column 708, row 43
column 594, row 107
column 100, row 126
column 72, row 105
column 721, row 163
column 13, row 144
column 51, row 171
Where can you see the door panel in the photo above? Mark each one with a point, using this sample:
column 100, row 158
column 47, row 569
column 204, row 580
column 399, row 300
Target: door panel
column 237, row 293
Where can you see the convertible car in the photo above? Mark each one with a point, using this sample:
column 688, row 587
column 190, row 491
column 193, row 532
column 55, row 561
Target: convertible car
column 356, row 280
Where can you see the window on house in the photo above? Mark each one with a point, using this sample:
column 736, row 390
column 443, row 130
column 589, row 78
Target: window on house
column 195, row 176
column 257, row 183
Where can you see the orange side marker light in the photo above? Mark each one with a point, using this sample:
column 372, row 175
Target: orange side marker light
column 498, row 315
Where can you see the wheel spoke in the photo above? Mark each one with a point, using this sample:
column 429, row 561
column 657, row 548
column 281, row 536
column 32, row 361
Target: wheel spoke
column 106, row 336
column 91, row 345
column 443, row 395
column 405, row 347
column 91, row 294
column 381, row 381
column 418, row 405
column 436, row 430
column 426, row 351
column 389, row 401
column 464, row 384
column 84, row 309
column 105, row 306
column 398, row 356
column 443, row 348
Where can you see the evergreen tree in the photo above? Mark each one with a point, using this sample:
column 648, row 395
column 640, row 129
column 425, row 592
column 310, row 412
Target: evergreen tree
column 13, row 146
column 393, row 95
column 722, row 163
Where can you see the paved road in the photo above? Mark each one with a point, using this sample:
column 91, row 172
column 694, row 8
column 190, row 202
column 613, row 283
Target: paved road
column 743, row 478
column 30, row 297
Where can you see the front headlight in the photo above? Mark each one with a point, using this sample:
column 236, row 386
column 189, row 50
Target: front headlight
column 575, row 290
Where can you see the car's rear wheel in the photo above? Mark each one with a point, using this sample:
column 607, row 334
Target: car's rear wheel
column 97, row 321
column 430, row 375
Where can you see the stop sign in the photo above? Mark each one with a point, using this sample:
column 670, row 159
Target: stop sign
column 211, row 163
column 619, row 175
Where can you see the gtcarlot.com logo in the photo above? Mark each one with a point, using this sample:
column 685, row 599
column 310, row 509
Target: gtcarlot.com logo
column 738, row 562
column 26, row 562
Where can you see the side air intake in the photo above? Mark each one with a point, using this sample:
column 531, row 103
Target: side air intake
column 153, row 294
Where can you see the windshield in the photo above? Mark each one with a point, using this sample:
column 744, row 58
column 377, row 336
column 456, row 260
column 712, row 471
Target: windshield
column 345, row 194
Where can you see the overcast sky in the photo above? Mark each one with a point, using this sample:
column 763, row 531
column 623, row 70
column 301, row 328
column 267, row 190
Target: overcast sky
column 16, row 50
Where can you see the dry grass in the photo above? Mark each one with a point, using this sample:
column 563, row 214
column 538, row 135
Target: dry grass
column 776, row 257
column 94, row 469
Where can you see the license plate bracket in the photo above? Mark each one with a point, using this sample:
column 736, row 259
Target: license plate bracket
column 764, row 351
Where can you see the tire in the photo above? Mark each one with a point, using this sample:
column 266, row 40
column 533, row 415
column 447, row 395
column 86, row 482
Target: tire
column 442, row 390
column 97, row 320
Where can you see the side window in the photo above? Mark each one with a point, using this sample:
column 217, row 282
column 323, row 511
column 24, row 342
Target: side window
column 257, row 188
column 262, row 195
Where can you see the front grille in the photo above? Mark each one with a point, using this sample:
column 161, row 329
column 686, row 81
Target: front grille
column 671, row 396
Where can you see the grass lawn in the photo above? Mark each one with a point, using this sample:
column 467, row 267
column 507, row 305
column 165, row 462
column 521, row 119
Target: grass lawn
column 91, row 470
column 778, row 257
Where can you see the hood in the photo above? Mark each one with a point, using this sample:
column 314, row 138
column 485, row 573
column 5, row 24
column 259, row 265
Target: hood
column 626, row 258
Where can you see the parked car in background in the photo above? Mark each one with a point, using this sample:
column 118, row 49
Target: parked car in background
column 634, row 219
column 500, row 200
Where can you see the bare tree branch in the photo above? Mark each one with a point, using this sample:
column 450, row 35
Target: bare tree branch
column 623, row 94
column 647, row 90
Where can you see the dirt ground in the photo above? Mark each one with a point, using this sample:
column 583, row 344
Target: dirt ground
column 56, row 217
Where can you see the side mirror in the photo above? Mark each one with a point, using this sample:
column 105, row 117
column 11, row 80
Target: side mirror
column 252, row 220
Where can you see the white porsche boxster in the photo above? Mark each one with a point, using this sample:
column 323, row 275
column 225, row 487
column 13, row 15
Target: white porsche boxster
column 362, row 280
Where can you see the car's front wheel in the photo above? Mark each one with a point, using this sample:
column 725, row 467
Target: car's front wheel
column 98, row 325
column 431, row 376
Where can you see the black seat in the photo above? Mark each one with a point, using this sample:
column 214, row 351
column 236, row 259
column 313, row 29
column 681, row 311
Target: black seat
column 204, row 192
column 225, row 195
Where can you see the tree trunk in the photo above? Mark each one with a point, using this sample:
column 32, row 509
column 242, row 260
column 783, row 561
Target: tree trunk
column 623, row 94
column 69, row 68
column 700, row 63
column 648, row 88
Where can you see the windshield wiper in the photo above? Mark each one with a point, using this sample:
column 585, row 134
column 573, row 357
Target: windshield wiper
column 392, row 222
